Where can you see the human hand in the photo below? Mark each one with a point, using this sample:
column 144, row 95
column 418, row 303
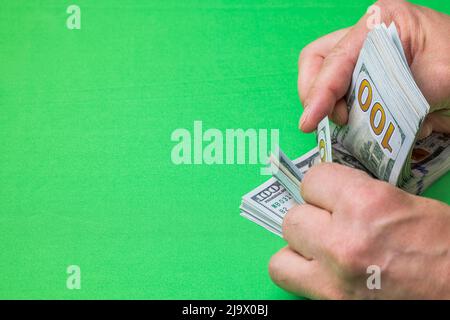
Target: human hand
column 351, row 222
column 326, row 65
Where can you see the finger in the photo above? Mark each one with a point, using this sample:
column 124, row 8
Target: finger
column 303, row 229
column 333, row 80
column 324, row 184
column 340, row 113
column 311, row 59
column 426, row 129
column 295, row 274
column 437, row 121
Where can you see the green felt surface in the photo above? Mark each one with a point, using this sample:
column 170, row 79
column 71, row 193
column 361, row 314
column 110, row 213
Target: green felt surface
column 86, row 116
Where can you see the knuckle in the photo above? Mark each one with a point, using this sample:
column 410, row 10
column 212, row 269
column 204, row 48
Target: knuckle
column 347, row 260
column 340, row 58
column 350, row 256
column 290, row 220
column 380, row 192
column 285, row 226
column 390, row 4
column 318, row 170
column 304, row 53
column 367, row 197
column 312, row 92
column 393, row 10
column 326, row 172
column 340, row 53
column 276, row 269
column 301, row 56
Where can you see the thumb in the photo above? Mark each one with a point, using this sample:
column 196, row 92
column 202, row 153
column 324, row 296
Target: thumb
column 333, row 80
column 438, row 121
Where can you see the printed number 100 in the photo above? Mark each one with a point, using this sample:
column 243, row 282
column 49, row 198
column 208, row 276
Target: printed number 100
column 376, row 108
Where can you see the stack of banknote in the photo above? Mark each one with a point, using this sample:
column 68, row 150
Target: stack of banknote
column 386, row 111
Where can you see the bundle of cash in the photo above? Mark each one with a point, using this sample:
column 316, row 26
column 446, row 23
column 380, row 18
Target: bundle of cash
column 285, row 171
column 386, row 111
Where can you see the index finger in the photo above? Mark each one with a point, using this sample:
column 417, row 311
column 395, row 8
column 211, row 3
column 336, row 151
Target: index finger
column 326, row 183
column 311, row 59
column 333, row 80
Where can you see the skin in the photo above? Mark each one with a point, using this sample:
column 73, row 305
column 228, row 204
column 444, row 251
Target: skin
column 326, row 65
column 351, row 221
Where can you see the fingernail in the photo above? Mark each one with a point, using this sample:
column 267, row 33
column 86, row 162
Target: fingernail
column 426, row 130
column 304, row 117
column 337, row 117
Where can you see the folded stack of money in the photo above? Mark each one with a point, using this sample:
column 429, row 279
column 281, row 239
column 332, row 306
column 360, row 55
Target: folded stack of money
column 386, row 111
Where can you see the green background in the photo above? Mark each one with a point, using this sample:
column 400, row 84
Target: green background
column 86, row 116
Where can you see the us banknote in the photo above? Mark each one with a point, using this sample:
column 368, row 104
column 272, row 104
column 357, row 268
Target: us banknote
column 386, row 111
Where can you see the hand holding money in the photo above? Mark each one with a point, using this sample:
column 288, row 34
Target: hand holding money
column 352, row 225
column 378, row 88
column 326, row 65
column 386, row 110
